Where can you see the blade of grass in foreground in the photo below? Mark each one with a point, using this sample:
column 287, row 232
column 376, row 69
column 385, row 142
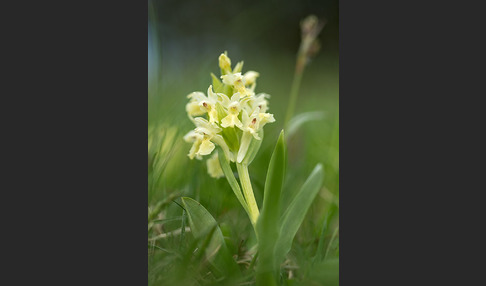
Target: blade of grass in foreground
column 295, row 213
column 297, row 121
column 267, row 225
column 325, row 226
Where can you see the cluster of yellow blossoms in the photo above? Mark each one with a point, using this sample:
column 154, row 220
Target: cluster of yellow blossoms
column 230, row 116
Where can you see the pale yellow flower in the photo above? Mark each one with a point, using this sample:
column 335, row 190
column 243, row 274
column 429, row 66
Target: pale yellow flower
column 196, row 139
column 265, row 118
column 200, row 104
column 251, row 123
column 201, row 138
column 239, row 82
column 260, row 101
column 214, row 167
column 231, row 78
column 211, row 105
column 250, row 77
column 233, row 108
column 193, row 108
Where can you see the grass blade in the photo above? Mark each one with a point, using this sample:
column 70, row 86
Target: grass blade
column 297, row 121
column 295, row 213
column 154, row 212
column 325, row 226
column 331, row 241
column 267, row 225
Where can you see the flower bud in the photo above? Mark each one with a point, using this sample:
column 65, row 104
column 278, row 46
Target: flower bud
column 225, row 63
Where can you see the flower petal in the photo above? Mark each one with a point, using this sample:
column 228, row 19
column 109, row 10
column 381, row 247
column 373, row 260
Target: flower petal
column 206, row 147
column 250, row 77
column 230, row 121
column 245, row 143
column 194, row 148
column 193, row 109
column 214, row 168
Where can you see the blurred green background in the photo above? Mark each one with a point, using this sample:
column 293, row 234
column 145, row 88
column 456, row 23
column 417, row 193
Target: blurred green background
column 185, row 39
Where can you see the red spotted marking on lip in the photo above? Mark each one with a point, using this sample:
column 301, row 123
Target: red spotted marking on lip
column 253, row 121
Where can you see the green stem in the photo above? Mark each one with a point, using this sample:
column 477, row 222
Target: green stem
column 294, row 91
column 248, row 192
column 228, row 172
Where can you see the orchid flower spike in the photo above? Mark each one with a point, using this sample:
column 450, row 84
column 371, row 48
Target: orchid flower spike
column 232, row 109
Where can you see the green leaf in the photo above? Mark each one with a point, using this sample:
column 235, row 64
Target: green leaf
column 331, row 241
column 294, row 215
column 267, row 225
column 154, row 212
column 202, row 223
column 220, row 87
column 183, row 229
column 217, row 84
column 156, row 221
column 325, row 226
column 296, row 122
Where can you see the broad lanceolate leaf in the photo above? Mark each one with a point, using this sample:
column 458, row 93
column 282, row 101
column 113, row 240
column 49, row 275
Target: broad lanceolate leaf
column 294, row 215
column 202, row 223
column 267, row 226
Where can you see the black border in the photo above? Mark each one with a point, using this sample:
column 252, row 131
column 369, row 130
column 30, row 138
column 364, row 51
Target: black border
column 76, row 185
